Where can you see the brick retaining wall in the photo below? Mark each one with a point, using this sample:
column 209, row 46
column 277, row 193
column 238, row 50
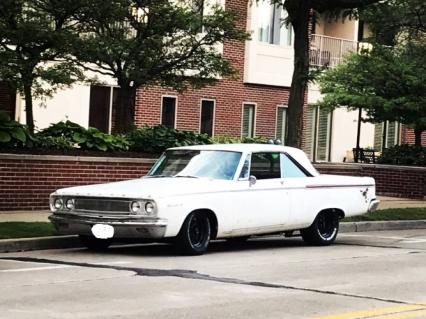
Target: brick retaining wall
column 398, row 181
column 27, row 180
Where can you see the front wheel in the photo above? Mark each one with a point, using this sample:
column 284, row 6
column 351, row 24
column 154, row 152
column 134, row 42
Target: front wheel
column 194, row 236
column 323, row 230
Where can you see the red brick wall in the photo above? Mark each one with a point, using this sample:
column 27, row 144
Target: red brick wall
column 27, row 181
column 398, row 181
column 407, row 136
column 229, row 96
column 7, row 99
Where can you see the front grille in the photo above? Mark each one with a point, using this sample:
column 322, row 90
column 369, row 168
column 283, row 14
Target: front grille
column 105, row 205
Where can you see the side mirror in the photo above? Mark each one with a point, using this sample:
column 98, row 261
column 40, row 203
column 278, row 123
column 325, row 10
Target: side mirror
column 252, row 180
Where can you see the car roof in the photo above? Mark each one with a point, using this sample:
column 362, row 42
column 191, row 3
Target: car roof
column 296, row 153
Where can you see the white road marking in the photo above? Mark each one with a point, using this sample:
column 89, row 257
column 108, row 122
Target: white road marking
column 61, row 266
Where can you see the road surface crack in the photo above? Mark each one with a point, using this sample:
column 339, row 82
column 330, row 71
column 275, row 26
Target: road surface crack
column 193, row 274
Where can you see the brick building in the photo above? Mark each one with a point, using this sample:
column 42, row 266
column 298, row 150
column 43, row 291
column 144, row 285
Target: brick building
column 253, row 105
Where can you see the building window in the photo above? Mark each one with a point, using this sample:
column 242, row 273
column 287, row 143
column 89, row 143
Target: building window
column 249, row 111
column 168, row 111
column 281, row 124
column 207, row 117
column 317, row 144
column 272, row 28
column 386, row 134
column 102, row 102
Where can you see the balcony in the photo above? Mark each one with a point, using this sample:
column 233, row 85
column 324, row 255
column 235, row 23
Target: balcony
column 329, row 51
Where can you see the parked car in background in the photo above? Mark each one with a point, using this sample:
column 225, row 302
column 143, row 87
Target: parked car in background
column 198, row 193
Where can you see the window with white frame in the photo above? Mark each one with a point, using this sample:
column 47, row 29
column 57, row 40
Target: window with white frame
column 207, row 117
column 249, row 113
column 386, row 134
column 168, row 111
column 281, row 123
column 272, row 28
column 317, row 142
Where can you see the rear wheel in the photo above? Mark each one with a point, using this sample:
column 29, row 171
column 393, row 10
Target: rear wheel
column 194, row 236
column 94, row 243
column 323, row 230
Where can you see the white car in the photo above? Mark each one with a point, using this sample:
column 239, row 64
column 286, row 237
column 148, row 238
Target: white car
column 198, row 193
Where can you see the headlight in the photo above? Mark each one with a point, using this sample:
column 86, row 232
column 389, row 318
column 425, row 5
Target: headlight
column 58, row 203
column 149, row 208
column 135, row 207
column 69, row 204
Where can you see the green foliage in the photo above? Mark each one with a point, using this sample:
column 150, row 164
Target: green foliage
column 12, row 133
column 67, row 134
column 36, row 37
column 404, row 155
column 394, row 21
column 226, row 139
column 389, row 83
column 158, row 138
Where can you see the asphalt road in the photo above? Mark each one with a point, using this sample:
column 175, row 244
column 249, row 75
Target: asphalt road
column 364, row 275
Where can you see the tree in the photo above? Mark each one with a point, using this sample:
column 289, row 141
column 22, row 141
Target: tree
column 34, row 40
column 300, row 15
column 393, row 21
column 389, row 83
column 155, row 42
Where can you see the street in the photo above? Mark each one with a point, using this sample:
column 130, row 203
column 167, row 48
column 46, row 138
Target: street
column 364, row 275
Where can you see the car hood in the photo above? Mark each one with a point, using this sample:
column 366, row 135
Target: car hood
column 147, row 188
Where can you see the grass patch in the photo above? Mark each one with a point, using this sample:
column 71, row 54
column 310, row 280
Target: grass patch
column 9, row 230
column 412, row 213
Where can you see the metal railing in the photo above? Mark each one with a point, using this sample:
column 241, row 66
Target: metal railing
column 329, row 51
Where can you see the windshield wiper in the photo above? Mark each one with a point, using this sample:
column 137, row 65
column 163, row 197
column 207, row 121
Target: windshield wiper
column 157, row 176
column 187, row 176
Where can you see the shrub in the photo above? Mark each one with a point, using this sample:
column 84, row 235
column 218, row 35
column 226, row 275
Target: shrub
column 12, row 133
column 158, row 138
column 226, row 139
column 404, row 155
column 71, row 134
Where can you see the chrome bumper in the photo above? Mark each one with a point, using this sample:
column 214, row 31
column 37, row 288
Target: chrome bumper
column 374, row 203
column 134, row 227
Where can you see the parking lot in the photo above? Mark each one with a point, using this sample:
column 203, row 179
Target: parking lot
column 364, row 275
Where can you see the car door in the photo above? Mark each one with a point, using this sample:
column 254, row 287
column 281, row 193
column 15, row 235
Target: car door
column 263, row 205
column 302, row 201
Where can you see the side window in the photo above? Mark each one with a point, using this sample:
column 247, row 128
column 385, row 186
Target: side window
column 265, row 165
column 289, row 169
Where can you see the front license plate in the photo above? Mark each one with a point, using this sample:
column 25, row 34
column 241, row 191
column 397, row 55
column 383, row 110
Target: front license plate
column 102, row 231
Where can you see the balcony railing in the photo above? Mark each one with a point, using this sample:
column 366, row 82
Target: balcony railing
column 329, row 51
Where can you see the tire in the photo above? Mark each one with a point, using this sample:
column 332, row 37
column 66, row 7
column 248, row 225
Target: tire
column 323, row 230
column 194, row 236
column 95, row 244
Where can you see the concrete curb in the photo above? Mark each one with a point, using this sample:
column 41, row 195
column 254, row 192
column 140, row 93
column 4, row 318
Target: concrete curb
column 61, row 242
column 39, row 243
column 349, row 227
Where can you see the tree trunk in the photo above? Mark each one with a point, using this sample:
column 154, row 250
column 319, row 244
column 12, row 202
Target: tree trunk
column 418, row 136
column 299, row 14
column 125, row 110
column 29, row 106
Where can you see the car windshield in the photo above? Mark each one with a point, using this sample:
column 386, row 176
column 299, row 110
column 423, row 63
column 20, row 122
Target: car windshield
column 196, row 163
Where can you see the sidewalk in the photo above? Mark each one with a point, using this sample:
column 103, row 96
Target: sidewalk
column 41, row 216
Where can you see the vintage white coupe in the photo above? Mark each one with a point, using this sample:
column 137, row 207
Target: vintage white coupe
column 198, row 193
